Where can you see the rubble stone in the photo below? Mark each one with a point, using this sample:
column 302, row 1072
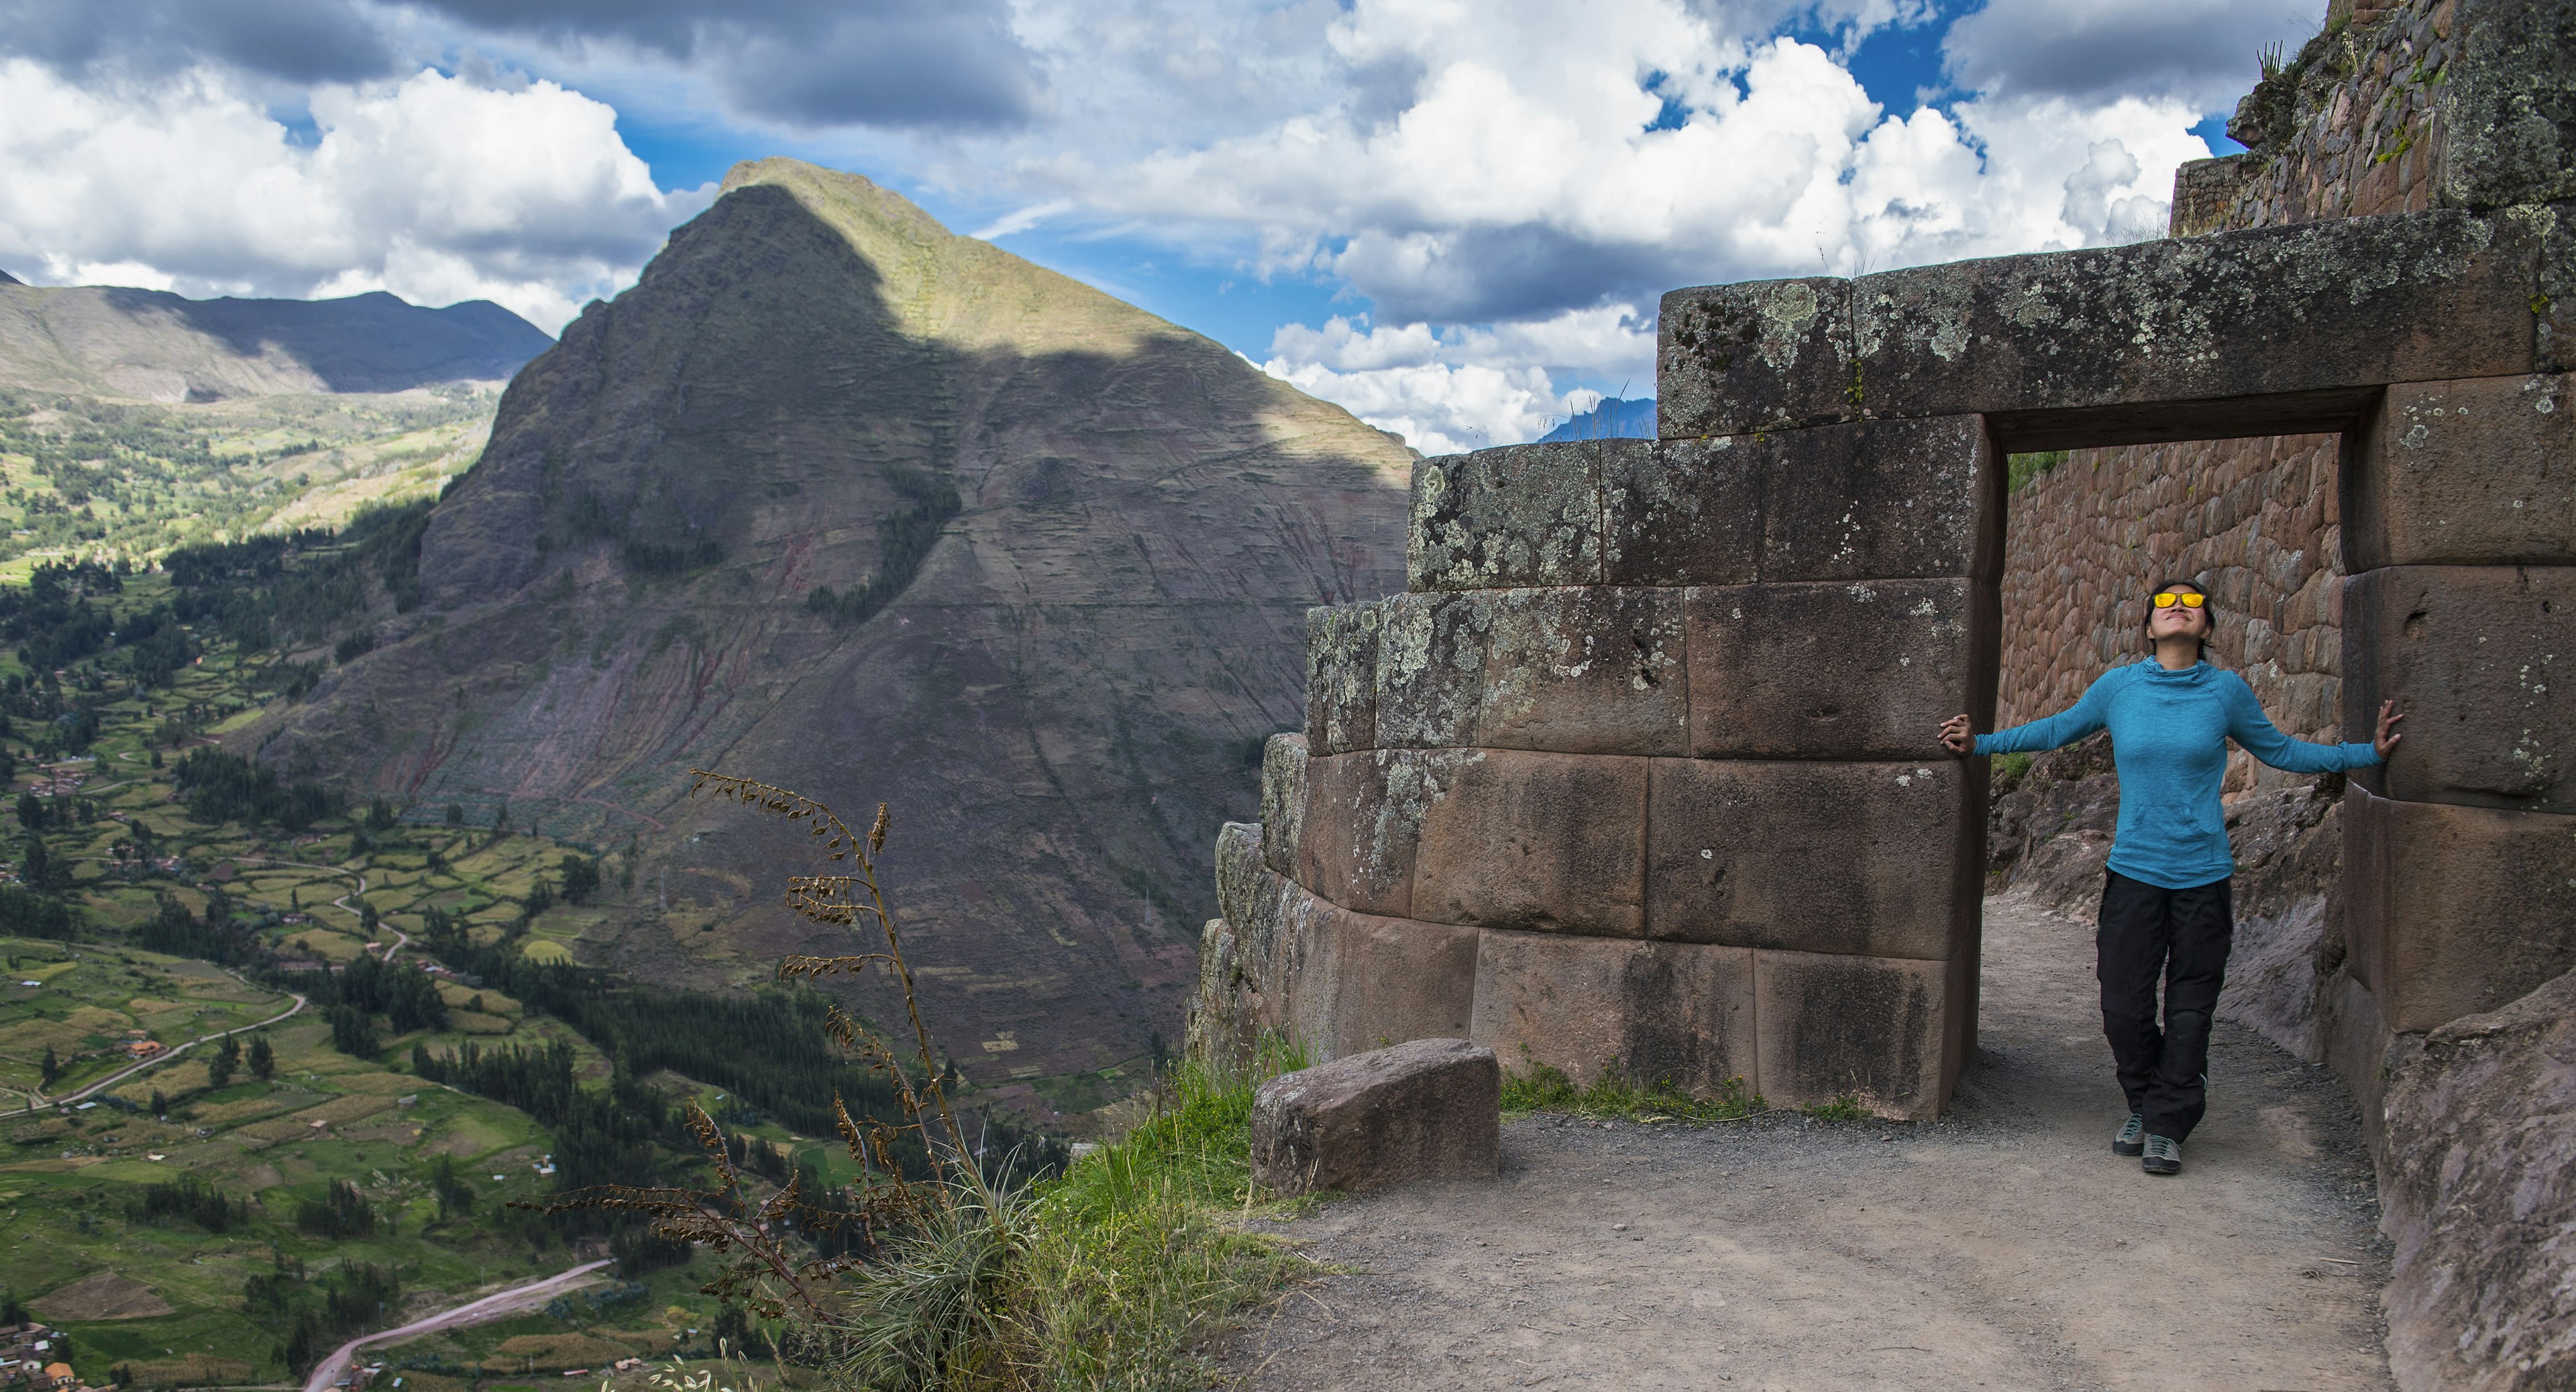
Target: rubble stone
column 1428, row 1109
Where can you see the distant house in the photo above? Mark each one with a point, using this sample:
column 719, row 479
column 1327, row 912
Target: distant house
column 142, row 1048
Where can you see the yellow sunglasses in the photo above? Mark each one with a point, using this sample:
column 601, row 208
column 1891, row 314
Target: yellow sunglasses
column 2168, row 599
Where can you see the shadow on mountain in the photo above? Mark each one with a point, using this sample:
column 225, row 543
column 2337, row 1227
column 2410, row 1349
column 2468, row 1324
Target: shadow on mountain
column 837, row 500
column 374, row 342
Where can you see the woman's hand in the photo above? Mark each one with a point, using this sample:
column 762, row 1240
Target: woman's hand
column 2387, row 738
column 1956, row 736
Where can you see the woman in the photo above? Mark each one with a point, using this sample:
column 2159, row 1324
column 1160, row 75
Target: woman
column 2165, row 905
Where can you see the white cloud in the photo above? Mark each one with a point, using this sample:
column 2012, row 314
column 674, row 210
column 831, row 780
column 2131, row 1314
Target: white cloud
column 434, row 188
column 1452, row 388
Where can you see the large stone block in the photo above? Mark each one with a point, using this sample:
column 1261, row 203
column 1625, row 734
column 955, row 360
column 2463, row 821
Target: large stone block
column 1341, row 678
column 1761, row 355
column 1864, row 670
column 1686, row 512
column 1883, row 500
column 1871, row 500
column 1519, row 515
column 2449, row 910
column 2508, row 105
column 2047, row 341
column 1872, row 1029
column 1370, row 981
column 1239, row 867
column 1879, row 860
column 2556, row 300
column 2480, row 659
column 1584, row 671
column 1364, row 816
column 1283, row 801
column 1545, row 842
column 1676, row 1012
column 1430, row 669
column 2474, row 472
column 1425, row 1110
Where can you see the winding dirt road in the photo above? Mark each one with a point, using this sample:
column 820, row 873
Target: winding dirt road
column 499, row 1304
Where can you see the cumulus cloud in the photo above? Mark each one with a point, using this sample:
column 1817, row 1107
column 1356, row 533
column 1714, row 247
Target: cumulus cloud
column 1465, row 387
column 432, row 187
column 803, row 63
column 1548, row 161
column 295, row 40
column 2201, row 53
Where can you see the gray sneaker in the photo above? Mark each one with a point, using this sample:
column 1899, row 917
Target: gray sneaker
column 2132, row 1137
column 2164, row 1156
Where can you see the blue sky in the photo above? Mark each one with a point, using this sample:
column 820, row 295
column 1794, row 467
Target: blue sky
column 1453, row 218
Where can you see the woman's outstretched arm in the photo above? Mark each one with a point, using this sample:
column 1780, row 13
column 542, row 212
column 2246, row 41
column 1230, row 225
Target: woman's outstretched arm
column 2255, row 733
column 2050, row 732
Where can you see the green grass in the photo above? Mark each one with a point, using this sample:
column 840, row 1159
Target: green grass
column 1115, row 1274
column 2023, row 470
column 1843, row 1107
column 2010, row 769
column 1539, row 1087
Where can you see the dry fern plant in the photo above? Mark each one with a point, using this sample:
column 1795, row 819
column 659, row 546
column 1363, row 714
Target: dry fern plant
column 765, row 1275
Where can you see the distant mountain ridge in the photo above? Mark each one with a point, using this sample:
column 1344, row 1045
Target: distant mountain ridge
column 1616, row 418
column 152, row 345
column 837, row 499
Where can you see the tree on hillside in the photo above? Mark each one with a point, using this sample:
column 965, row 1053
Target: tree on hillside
column 52, row 1067
column 263, row 1059
column 225, row 1062
column 455, row 1196
column 580, row 879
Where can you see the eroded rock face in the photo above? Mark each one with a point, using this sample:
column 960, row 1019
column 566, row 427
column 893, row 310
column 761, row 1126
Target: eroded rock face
column 2479, row 1191
column 1070, row 547
column 1426, row 1109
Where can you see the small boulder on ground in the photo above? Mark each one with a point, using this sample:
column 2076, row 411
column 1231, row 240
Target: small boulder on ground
column 1427, row 1109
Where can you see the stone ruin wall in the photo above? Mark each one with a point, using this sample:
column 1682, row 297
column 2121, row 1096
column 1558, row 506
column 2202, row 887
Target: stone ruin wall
column 2348, row 127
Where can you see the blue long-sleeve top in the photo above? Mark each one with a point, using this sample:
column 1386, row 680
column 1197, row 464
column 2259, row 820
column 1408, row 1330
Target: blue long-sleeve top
column 2169, row 733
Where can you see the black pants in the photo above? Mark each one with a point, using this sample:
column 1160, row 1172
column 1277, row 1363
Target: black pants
column 2182, row 935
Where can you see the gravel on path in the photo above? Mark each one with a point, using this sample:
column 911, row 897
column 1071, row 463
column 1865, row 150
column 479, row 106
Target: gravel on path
column 2002, row 1246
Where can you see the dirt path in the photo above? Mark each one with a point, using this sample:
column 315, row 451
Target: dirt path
column 491, row 1307
column 2002, row 1246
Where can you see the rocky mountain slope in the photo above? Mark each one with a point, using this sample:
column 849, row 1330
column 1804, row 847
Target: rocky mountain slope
column 155, row 346
column 836, row 499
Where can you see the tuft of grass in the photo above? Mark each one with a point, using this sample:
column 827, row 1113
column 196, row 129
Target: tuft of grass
column 1539, row 1087
column 1114, row 1274
column 2023, row 470
column 2011, row 769
column 1844, row 1107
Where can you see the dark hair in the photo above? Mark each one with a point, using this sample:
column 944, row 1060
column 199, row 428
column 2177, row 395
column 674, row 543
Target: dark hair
column 2208, row 615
